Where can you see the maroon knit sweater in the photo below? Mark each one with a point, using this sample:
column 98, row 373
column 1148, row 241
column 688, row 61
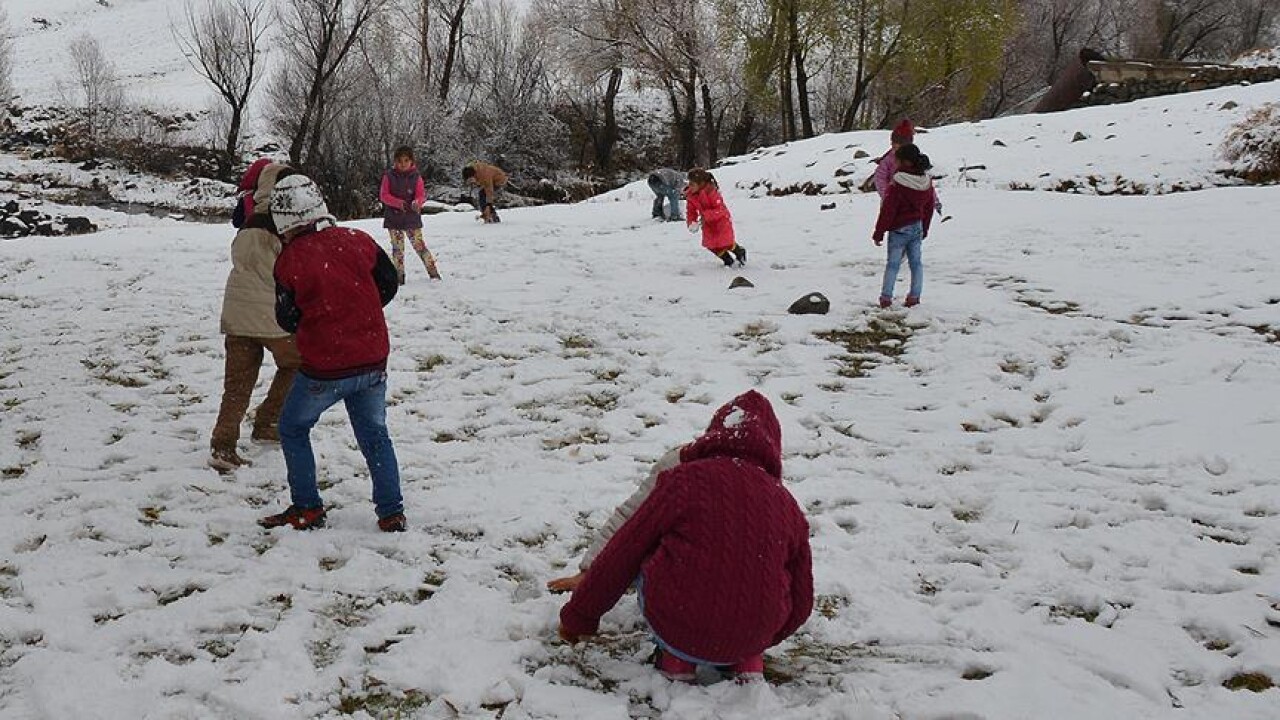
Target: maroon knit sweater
column 722, row 546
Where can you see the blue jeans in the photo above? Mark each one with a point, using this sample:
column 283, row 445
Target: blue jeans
column 365, row 398
column 665, row 192
column 904, row 241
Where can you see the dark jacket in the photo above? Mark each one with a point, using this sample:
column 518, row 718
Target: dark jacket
column 331, row 286
column 399, row 191
column 722, row 546
column 910, row 199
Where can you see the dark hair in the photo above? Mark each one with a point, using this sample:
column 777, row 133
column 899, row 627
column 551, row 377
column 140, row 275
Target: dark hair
column 699, row 175
column 910, row 154
column 468, row 172
column 404, row 151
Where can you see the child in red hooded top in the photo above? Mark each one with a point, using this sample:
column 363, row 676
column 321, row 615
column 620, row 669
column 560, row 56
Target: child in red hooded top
column 706, row 209
column 719, row 552
column 905, row 213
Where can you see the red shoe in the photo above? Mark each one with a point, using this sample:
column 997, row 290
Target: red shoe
column 675, row 669
column 885, row 301
column 748, row 670
column 393, row 523
column 299, row 519
column 912, row 301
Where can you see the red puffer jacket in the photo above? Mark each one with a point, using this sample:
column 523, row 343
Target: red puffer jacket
column 331, row 286
column 722, row 546
column 717, row 223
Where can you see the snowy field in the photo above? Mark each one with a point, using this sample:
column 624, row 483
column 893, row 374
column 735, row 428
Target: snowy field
column 1050, row 491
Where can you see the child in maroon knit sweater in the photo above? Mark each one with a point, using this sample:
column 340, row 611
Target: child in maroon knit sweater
column 718, row 552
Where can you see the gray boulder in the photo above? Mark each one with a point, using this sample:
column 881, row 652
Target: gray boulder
column 814, row 303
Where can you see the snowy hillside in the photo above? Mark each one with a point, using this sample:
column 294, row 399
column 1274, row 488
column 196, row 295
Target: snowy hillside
column 1162, row 145
column 153, row 72
column 1049, row 492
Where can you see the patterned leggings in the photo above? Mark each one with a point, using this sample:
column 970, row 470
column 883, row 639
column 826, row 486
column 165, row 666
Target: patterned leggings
column 419, row 246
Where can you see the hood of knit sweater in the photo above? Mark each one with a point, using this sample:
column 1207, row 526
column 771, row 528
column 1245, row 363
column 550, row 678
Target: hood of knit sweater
column 745, row 428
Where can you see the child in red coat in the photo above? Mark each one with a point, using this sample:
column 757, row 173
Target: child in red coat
column 718, row 552
column 706, row 209
column 905, row 213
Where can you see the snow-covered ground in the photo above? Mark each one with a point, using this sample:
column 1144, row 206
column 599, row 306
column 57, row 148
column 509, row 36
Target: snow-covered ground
column 1161, row 145
column 1048, row 492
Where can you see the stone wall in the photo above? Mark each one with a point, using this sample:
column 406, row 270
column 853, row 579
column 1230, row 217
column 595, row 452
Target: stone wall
column 1124, row 81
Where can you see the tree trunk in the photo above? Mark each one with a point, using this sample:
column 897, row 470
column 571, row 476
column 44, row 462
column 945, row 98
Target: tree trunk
column 740, row 138
column 796, row 53
column 609, row 134
column 786, row 102
column 710, row 129
column 233, row 138
column 451, row 52
column 424, row 44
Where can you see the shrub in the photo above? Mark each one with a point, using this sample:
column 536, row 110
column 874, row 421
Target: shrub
column 1253, row 146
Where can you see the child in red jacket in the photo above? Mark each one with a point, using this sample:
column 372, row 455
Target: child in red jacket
column 718, row 552
column 706, row 209
column 905, row 213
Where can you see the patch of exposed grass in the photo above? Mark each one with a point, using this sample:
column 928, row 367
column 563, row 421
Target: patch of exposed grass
column 829, row 606
column 1053, row 307
column 431, row 362
column 1064, row 612
column 882, row 339
column 1253, row 682
column 584, row 436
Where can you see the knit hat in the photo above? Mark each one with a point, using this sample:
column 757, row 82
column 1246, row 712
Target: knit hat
column 250, row 179
column 266, row 182
column 904, row 132
column 296, row 202
column 245, row 205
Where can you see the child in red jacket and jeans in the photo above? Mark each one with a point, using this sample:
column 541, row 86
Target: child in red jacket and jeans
column 718, row 552
column 706, row 209
column 905, row 213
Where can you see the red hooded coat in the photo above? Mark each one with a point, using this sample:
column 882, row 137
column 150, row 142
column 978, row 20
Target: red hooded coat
column 721, row 544
column 717, row 224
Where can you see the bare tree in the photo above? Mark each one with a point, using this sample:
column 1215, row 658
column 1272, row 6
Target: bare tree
column 6, row 86
column 584, row 41
column 318, row 36
column 96, row 89
column 222, row 41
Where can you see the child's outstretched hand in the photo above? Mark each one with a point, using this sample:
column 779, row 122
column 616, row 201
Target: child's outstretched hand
column 694, row 227
column 565, row 584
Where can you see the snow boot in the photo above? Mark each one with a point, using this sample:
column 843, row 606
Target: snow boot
column 673, row 668
column 911, row 301
column 226, row 461
column 749, row 670
column 740, row 253
column 393, row 523
column 885, row 301
column 298, row 518
column 726, row 257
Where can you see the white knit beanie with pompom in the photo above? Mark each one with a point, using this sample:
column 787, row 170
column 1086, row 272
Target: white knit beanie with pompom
column 296, row 202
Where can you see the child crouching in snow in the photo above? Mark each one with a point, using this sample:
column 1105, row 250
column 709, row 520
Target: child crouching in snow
column 704, row 206
column 905, row 213
column 718, row 552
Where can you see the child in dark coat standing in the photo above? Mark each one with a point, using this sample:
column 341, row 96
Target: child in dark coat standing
column 331, row 285
column 718, row 552
column 402, row 195
column 905, row 214
column 706, row 209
